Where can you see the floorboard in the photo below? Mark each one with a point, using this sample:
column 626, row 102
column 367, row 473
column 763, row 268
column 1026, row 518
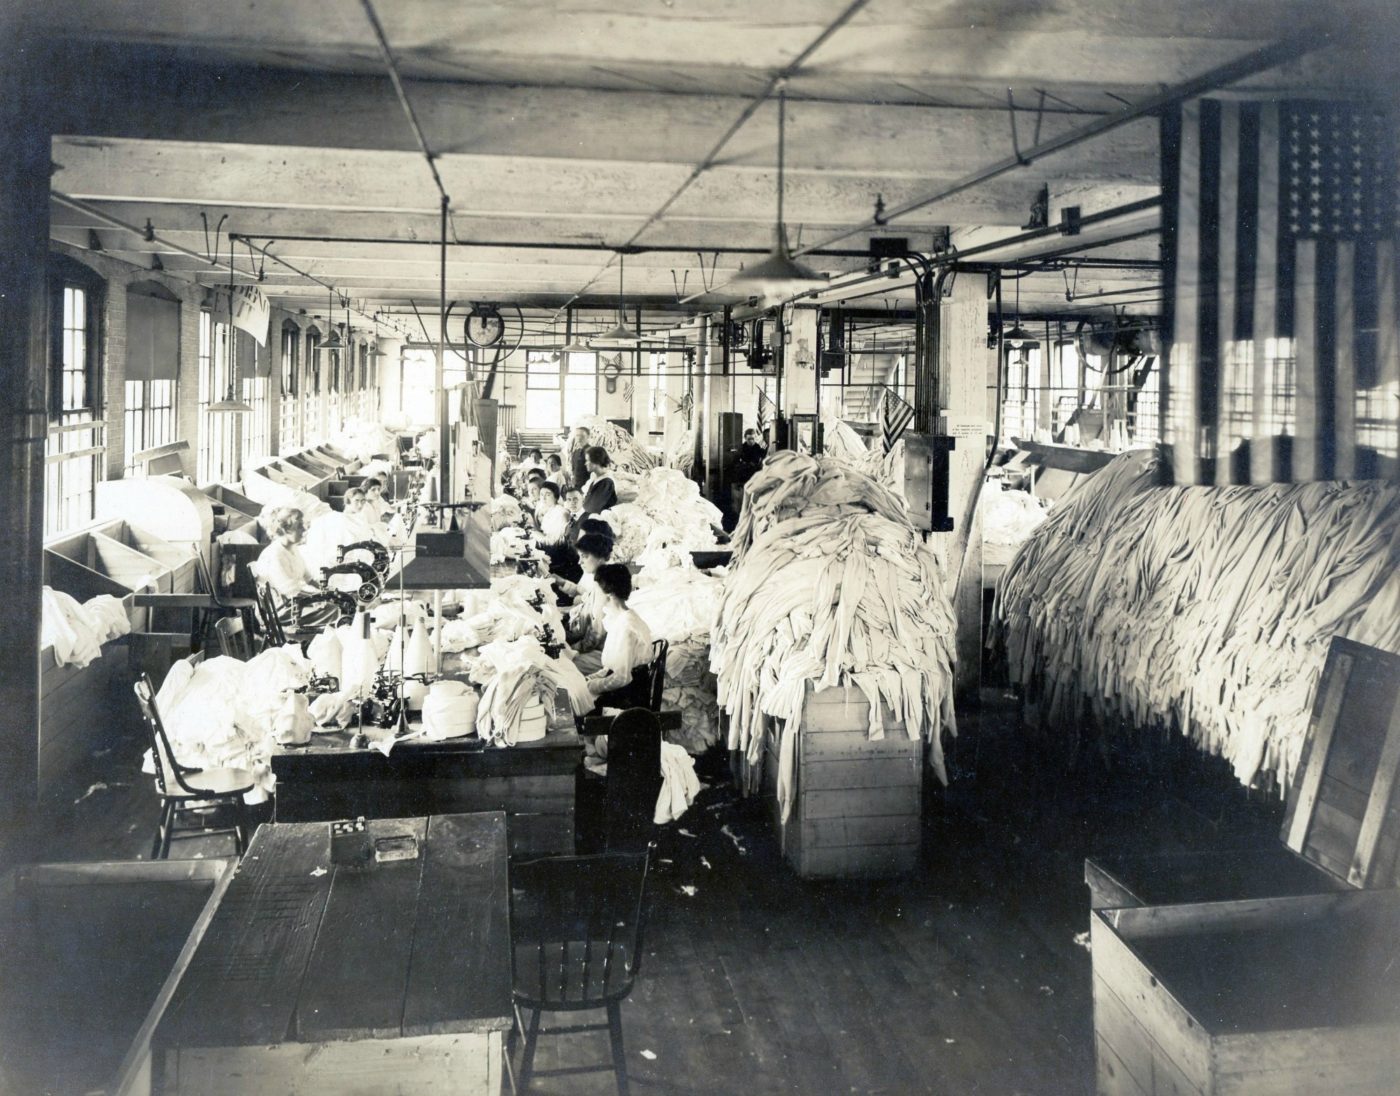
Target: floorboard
column 963, row 977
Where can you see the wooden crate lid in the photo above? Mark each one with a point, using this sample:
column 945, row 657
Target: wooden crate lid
column 1343, row 814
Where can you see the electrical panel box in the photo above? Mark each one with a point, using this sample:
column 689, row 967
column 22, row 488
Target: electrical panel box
column 926, row 480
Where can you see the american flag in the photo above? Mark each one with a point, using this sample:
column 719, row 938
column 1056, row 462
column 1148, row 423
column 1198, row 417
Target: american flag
column 1280, row 222
column 895, row 416
column 765, row 411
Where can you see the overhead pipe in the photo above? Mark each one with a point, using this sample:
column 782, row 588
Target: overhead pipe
column 534, row 245
column 1255, row 61
column 155, row 237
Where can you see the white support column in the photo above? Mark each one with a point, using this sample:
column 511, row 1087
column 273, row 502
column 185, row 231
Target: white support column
column 964, row 361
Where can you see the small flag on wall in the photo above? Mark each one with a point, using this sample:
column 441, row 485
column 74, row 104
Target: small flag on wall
column 895, row 417
column 765, row 414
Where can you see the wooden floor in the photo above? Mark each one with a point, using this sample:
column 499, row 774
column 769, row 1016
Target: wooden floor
column 965, row 977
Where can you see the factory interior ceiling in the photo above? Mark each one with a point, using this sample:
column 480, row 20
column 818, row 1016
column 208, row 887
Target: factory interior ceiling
column 582, row 141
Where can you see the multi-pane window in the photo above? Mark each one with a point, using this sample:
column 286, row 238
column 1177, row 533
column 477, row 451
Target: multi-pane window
column 149, row 418
column 1020, row 409
column 74, row 449
column 289, row 434
column 580, row 387
column 543, row 383
column 312, row 433
column 218, row 432
column 257, row 393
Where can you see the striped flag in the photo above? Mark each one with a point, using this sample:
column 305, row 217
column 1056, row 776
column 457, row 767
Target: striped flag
column 1280, row 223
column 895, row 417
column 765, row 412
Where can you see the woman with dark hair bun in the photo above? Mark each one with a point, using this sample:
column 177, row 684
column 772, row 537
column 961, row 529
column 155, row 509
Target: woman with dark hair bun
column 621, row 681
column 599, row 494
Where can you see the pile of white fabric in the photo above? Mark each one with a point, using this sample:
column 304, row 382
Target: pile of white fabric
column 268, row 493
column 75, row 632
column 668, row 512
column 222, row 712
column 680, row 452
column 362, row 440
column 519, row 605
column 831, row 586
column 840, row 442
column 677, row 602
column 623, row 450
column 504, row 511
column 1209, row 609
column 1008, row 518
column 516, row 673
column 509, row 543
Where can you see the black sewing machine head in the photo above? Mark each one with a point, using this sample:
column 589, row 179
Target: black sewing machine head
column 371, row 582
column 380, row 553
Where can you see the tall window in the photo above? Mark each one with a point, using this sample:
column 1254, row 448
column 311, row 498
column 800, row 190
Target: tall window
column 75, row 444
column 218, row 433
column 312, row 433
column 257, row 392
column 290, row 428
column 1020, row 411
column 150, row 416
column 543, row 385
column 656, row 393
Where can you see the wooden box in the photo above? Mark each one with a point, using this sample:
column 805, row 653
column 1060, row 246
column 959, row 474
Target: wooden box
column 1282, row 995
column 1342, row 827
column 858, row 802
column 91, row 955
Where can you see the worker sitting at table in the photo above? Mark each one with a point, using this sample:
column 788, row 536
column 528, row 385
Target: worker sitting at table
column 554, row 471
column 585, row 620
column 599, row 494
column 376, row 506
column 551, row 517
column 284, row 570
column 621, row 679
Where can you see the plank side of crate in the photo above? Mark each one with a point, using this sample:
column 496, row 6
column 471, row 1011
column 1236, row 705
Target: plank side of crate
column 425, row 1065
column 1112, row 1078
column 1360, row 1061
column 1147, row 1063
column 901, row 799
column 877, row 772
column 1181, row 1039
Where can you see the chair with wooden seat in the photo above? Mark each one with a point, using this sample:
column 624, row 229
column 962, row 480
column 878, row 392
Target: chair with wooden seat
column 222, row 607
column 189, row 794
column 234, row 639
column 576, row 945
column 617, row 811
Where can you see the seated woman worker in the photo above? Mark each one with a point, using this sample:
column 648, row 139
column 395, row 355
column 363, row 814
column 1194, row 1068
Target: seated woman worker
column 621, row 681
column 282, row 568
column 585, row 619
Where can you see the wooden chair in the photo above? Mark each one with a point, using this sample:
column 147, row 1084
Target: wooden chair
column 234, row 639
column 576, row 945
column 617, row 810
column 189, row 793
column 270, row 624
column 243, row 608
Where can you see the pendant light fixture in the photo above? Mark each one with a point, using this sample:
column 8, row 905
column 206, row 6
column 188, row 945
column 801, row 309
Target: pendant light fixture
column 232, row 403
column 621, row 333
column 575, row 345
column 779, row 274
column 332, row 340
column 1018, row 336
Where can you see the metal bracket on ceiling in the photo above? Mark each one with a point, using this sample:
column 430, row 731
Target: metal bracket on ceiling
column 707, row 281
column 879, row 215
column 1070, row 287
column 212, row 255
column 259, row 267
column 680, row 284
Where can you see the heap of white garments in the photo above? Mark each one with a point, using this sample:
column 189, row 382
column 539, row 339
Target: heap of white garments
column 832, row 586
column 504, row 511
column 75, row 632
column 1207, row 609
column 624, row 452
column 668, row 511
column 1009, row 517
column 517, row 674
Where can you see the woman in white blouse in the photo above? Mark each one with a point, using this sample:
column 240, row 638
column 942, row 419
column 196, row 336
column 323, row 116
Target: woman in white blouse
column 280, row 565
column 626, row 642
column 552, row 517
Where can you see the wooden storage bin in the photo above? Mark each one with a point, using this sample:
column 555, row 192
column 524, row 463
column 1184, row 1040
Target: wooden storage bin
column 1282, row 995
column 92, row 954
column 1342, row 827
column 858, row 802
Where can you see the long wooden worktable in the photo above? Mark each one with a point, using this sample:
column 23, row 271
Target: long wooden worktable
column 340, row 979
column 533, row 783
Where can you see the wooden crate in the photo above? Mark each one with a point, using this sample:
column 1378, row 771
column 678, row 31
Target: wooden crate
column 92, row 954
column 858, row 801
column 1342, row 826
column 1254, row 997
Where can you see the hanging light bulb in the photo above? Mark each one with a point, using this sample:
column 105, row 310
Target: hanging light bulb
column 232, row 403
column 621, row 333
column 575, row 345
column 778, row 274
column 1018, row 336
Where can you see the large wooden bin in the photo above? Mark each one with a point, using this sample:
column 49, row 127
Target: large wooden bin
column 91, row 954
column 1282, row 995
column 858, row 801
column 1342, row 826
